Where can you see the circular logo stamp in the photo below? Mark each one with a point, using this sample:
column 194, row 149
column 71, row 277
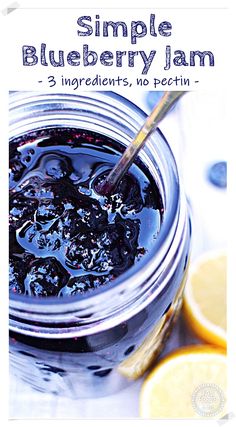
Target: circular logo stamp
column 208, row 399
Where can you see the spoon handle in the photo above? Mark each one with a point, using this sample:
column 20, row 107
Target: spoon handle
column 157, row 114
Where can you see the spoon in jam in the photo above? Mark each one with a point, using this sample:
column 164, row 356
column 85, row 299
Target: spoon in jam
column 158, row 113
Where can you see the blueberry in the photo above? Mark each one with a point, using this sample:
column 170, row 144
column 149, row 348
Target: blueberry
column 81, row 249
column 29, row 231
column 102, row 373
column 48, row 240
column 16, row 275
column 126, row 196
column 45, row 277
column 87, row 251
column 20, row 210
column 114, row 248
column 129, row 350
column 46, row 191
column 68, row 225
column 123, row 237
column 83, row 284
column 90, row 213
column 76, row 286
column 79, row 216
column 65, row 190
column 34, row 187
column 57, row 167
column 31, row 187
column 48, row 210
column 217, row 174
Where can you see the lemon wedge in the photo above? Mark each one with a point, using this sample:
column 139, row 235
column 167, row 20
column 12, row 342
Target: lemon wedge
column 188, row 383
column 204, row 303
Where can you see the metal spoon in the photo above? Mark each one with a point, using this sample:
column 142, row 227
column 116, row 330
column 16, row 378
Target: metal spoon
column 150, row 124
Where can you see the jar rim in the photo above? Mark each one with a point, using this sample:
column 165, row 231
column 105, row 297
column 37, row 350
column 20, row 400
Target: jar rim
column 164, row 240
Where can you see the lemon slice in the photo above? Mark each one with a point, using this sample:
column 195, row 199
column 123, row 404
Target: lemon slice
column 205, row 298
column 188, row 383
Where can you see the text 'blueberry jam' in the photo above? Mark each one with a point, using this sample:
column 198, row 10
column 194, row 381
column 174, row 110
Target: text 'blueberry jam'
column 65, row 238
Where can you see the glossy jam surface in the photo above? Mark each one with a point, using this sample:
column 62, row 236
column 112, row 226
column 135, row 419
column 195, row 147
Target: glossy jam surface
column 65, row 238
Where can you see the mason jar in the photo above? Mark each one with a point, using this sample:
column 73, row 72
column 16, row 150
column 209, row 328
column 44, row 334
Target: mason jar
column 97, row 343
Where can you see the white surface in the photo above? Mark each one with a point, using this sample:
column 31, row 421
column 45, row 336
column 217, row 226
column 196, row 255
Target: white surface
column 197, row 142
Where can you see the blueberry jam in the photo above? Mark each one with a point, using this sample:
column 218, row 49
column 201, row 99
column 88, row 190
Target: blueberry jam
column 66, row 238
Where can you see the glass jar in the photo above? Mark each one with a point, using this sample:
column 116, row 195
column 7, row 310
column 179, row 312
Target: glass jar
column 97, row 343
